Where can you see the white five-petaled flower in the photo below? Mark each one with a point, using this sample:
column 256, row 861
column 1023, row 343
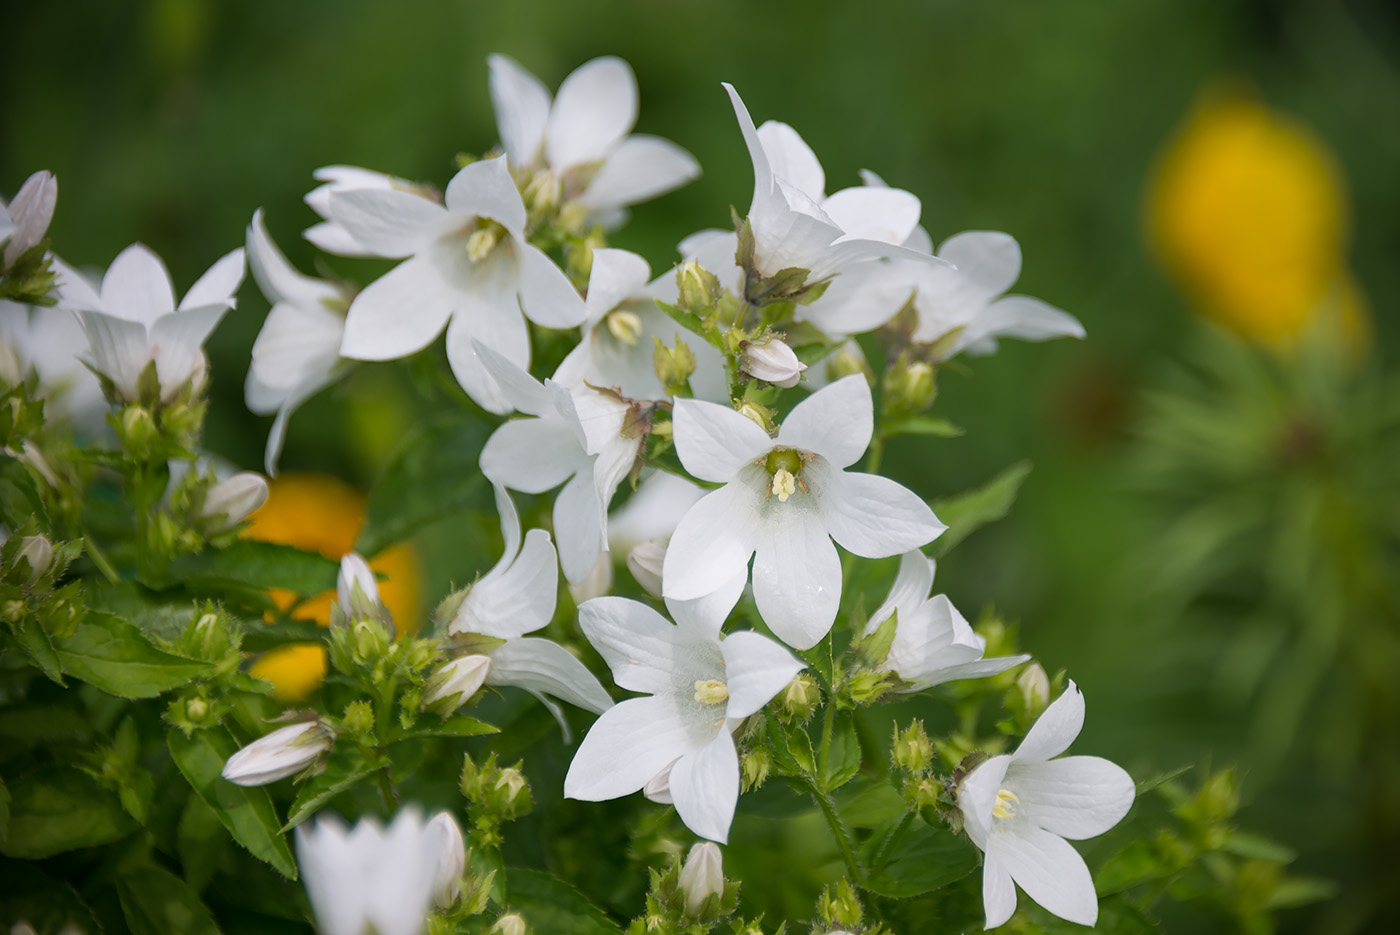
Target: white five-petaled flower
column 621, row 330
column 933, row 643
column 25, row 220
column 371, row 879
column 467, row 261
column 784, row 499
column 282, row 753
column 517, row 597
column 575, row 436
column 577, row 146
column 133, row 321
column 297, row 352
column 1019, row 808
column 699, row 687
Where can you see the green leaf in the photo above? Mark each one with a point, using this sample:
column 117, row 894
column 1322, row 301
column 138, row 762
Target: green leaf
column 19, row 498
column 799, row 747
column 156, row 902
column 434, row 474
column 1152, row 782
column 970, row 510
column 1244, row 844
column 159, row 616
column 906, row 857
column 1139, row 862
column 59, row 808
column 460, row 726
column 200, row 841
column 1300, row 891
column 260, row 637
column 39, row 648
column 929, row 426
column 875, row 648
column 843, row 756
column 343, row 771
column 246, row 811
column 36, row 725
column 250, row 565
column 114, row 655
column 551, row 905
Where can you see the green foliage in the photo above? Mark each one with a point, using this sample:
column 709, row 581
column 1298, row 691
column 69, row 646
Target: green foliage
column 967, row 512
column 115, row 656
column 58, row 808
column 549, row 904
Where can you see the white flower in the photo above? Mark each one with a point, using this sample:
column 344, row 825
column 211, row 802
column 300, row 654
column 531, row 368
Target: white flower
column 517, row 597
column 698, row 687
column 133, row 321
column 47, row 340
column 772, row 361
column 621, row 330
column 25, row 220
column 282, row 753
column 329, row 235
column 356, row 575
column 452, row 858
column 230, row 501
column 784, row 499
column 579, row 142
column 933, row 643
column 702, row 876
column 297, row 352
column 641, row 527
column 454, row 682
column 575, row 436
column 1019, row 808
column 370, row 879
column 467, row 261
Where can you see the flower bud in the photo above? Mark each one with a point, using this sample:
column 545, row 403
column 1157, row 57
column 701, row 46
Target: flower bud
column 753, row 768
column 511, row 793
column 196, row 709
column 1034, row 686
column 37, row 552
column 909, row 386
column 284, row 752
column 800, row 699
column 698, row 287
column 136, row 429
column 771, row 361
column 848, row 359
column 452, row 858
column 673, row 365
column 644, row 561
column 31, row 210
column 912, row 751
column 358, row 717
column 356, row 576
column 455, row 682
column 511, row 924
column 702, row 876
column 229, row 502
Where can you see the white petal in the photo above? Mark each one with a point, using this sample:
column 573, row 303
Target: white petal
column 792, row 159
column 980, row 669
column 1049, row 870
column 1024, row 318
column 517, row 600
column 331, row 870
column 177, row 343
column 653, row 510
column 332, row 238
column 712, row 544
column 137, row 286
column 627, row 746
column 755, row 669
column 398, row 314
column 278, row 433
column 522, row 391
column 709, row 613
column 118, row 348
column 488, row 314
column 887, row 215
column 1075, row 797
column 485, row 189
column 546, row 295
column 874, row 516
column 531, row 455
column 835, row 422
column 522, row 104
column 796, row 574
column 578, row 524
column 74, row 289
column 714, row 250
column 714, row 442
column 545, row 667
column 636, row 642
column 1056, row 729
column 998, row 892
column 910, row 589
column 617, row 275
column 388, row 222
column 595, row 108
column 219, row 285
column 762, row 168
column 344, row 178
column 510, row 529
column 705, row 787
column 639, row 170
column 297, row 343
column 276, row 277
column 990, row 260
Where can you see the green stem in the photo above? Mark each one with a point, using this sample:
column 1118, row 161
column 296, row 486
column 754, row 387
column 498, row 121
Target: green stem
column 876, row 452
column 828, row 722
column 838, row 831
column 386, row 786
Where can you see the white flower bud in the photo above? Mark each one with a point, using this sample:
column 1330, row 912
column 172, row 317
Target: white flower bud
column 31, row 210
column 452, row 858
column 355, row 572
column 230, row 501
column 284, row 752
column 598, row 582
column 455, row 682
column 772, row 362
column 1034, row 686
column 38, row 552
column 702, row 876
column 511, row 924
column 644, row 561
column 658, row 789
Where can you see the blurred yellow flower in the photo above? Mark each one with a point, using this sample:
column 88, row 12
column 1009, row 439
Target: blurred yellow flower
column 1249, row 211
column 323, row 514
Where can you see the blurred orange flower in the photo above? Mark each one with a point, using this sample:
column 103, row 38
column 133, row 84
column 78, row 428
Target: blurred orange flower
column 322, row 514
column 1249, row 211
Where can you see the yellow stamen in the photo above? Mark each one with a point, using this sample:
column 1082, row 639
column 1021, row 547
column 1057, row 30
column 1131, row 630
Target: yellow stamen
column 482, row 242
column 784, row 483
column 711, row 691
column 1005, row 805
column 625, row 326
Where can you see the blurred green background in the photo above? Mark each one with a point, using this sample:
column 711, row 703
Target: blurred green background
column 171, row 121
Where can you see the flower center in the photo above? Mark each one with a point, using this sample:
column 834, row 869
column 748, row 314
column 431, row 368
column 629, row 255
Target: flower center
column 711, row 691
column 484, row 239
column 1006, row 803
column 785, row 466
column 625, row 326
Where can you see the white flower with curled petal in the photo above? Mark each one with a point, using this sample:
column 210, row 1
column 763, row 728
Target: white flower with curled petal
column 621, row 330
column 575, row 439
column 933, row 643
column 329, row 235
column 1020, row 807
column 466, row 261
column 297, row 352
column 784, row 499
column 698, row 688
column 133, row 320
column 517, row 597
column 579, row 142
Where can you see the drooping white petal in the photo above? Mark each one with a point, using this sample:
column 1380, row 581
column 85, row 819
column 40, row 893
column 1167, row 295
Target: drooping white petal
column 796, row 573
column 1024, row 318
column 531, row 455
column 219, row 285
column 712, row 544
column 546, row 668
column 486, row 189
column 488, row 314
column 278, row 433
column 910, row 589
column 874, row 516
column 398, row 314
column 835, row 422
column 1049, row 869
column 714, row 442
column 635, row 641
column 988, row 260
column 388, row 222
column 546, row 295
column 517, row 599
column 276, row 277
column 998, row 892
column 578, row 521
column 1056, row 728
column 616, row 276
column 332, row 238
column 792, row 159
column 887, row 215
column 639, row 170
column 595, row 108
column 297, row 343
column 523, row 392
column 979, row 669
column 755, row 669
column 137, row 286
column 1076, row 797
column 628, row 745
column 704, row 786
column 521, row 102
